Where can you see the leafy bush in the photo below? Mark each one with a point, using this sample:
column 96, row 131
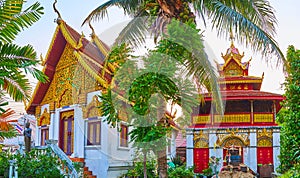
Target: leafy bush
column 137, row 170
column 180, row 172
column 35, row 164
column 4, row 164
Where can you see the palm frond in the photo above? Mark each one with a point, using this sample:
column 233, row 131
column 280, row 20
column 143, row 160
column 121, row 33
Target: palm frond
column 13, row 20
column 129, row 7
column 4, row 124
column 134, row 32
column 248, row 30
column 8, row 134
column 13, row 58
column 18, row 87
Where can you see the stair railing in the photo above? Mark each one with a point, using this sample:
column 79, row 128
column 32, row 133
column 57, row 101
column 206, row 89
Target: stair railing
column 68, row 167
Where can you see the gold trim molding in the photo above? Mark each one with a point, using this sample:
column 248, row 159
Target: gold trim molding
column 201, row 139
column 232, row 136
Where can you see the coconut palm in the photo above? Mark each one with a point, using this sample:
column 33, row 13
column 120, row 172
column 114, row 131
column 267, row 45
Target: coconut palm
column 17, row 61
column 251, row 21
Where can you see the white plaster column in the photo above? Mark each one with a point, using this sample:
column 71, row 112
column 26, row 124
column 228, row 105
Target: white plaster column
column 52, row 125
column 79, row 132
column 276, row 148
column 189, row 147
column 253, row 151
column 37, row 136
column 212, row 139
column 56, row 125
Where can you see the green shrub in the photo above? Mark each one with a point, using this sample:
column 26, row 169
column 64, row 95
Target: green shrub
column 181, row 172
column 137, row 170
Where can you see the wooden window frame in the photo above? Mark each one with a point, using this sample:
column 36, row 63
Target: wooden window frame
column 91, row 140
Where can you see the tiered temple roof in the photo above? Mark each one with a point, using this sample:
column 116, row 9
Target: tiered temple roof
column 89, row 54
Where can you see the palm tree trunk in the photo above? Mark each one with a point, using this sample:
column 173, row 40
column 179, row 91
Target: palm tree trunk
column 162, row 163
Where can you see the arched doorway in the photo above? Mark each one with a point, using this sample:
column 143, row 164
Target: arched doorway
column 233, row 145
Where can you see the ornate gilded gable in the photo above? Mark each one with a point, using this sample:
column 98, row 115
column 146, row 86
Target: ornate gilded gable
column 44, row 119
column 92, row 109
column 233, row 69
column 201, row 139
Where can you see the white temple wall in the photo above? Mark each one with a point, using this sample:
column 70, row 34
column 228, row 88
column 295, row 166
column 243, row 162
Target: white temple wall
column 252, row 161
column 189, row 148
column 276, row 148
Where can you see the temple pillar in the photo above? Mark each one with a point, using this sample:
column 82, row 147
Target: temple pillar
column 276, row 148
column 189, row 147
column 79, row 132
column 37, row 136
column 56, row 119
column 52, row 121
column 212, row 142
column 252, row 163
column 251, row 112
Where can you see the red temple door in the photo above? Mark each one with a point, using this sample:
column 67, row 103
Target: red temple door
column 66, row 141
column 201, row 159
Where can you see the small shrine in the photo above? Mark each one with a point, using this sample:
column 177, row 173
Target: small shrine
column 245, row 134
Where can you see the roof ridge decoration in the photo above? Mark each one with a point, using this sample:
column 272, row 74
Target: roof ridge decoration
column 102, row 48
column 55, row 10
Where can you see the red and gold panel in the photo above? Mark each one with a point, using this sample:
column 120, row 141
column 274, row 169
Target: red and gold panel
column 264, row 155
column 201, row 159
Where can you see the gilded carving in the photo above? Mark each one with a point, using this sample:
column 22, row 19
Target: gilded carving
column 233, row 69
column 92, row 109
column 201, row 119
column 67, row 114
column 264, row 133
column 264, row 137
column 44, row 119
column 233, row 135
column 264, row 142
column 263, row 117
column 201, row 139
column 231, row 118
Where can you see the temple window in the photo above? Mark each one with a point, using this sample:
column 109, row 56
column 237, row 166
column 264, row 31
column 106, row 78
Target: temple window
column 94, row 131
column 262, row 106
column 123, row 135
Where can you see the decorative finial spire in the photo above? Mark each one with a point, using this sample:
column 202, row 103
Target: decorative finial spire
column 92, row 28
column 231, row 37
column 55, row 10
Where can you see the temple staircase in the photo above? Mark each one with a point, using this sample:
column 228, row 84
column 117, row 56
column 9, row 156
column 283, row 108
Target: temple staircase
column 86, row 172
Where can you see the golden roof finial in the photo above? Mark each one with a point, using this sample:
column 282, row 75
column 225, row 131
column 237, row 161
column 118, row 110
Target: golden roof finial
column 55, row 10
column 92, row 28
column 231, row 37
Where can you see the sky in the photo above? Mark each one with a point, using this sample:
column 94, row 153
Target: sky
column 74, row 12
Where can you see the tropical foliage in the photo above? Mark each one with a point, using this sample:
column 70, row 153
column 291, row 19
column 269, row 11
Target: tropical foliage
column 17, row 61
column 173, row 25
column 34, row 164
column 6, row 129
column 249, row 20
column 290, row 118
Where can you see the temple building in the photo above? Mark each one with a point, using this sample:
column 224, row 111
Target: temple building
column 247, row 125
column 66, row 107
